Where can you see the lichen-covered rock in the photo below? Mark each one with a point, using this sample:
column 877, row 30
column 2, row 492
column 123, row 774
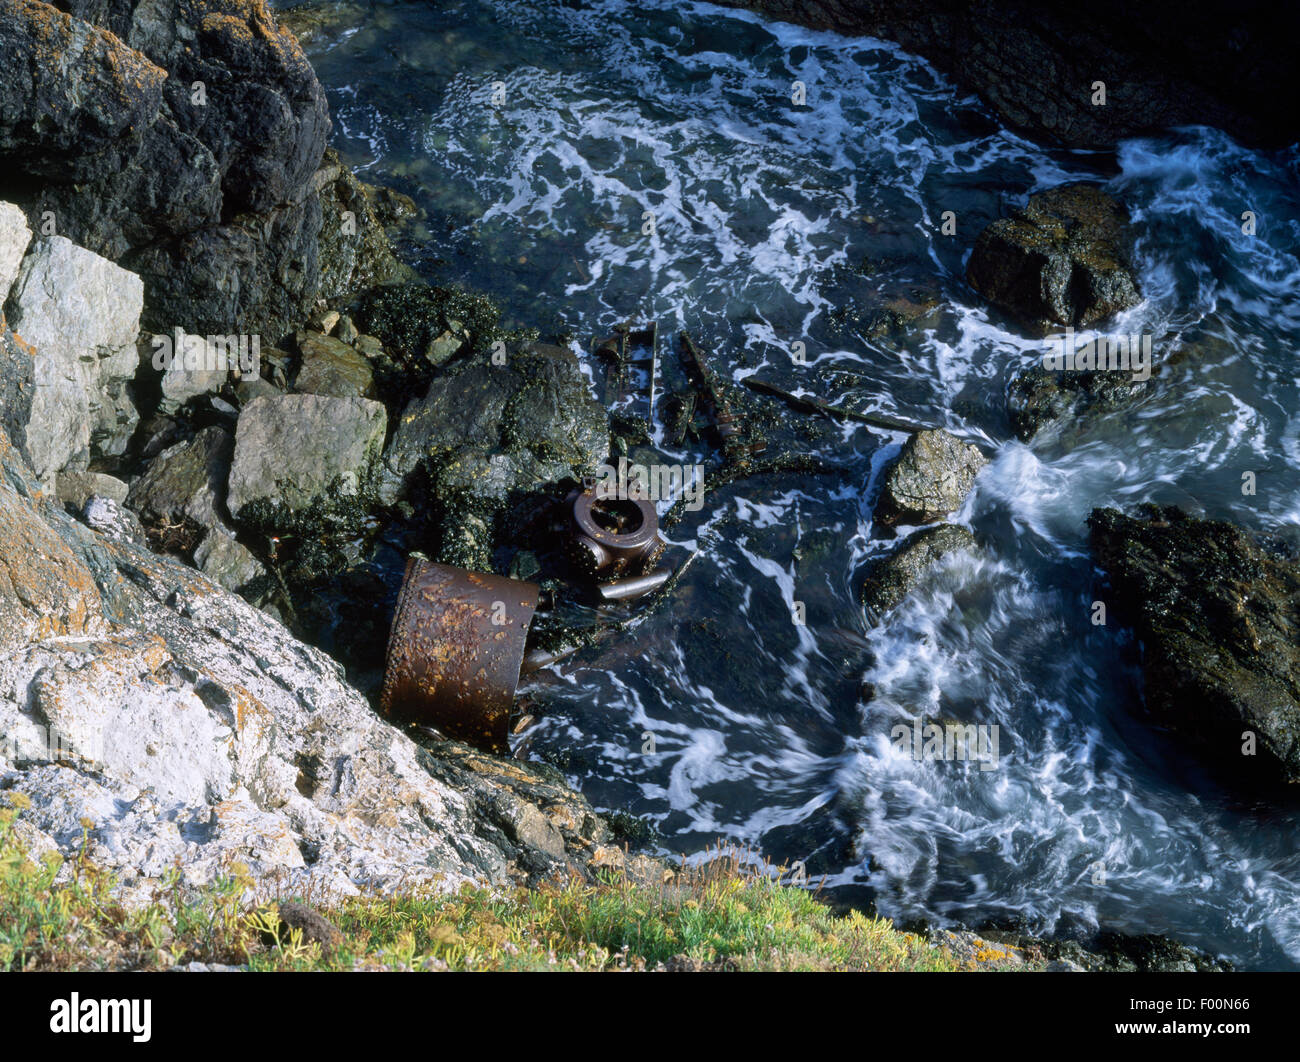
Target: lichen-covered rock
column 189, row 729
column 44, row 592
column 485, row 430
column 305, row 461
column 1060, row 260
column 81, row 315
column 932, row 476
column 331, row 367
column 1218, row 615
column 888, row 580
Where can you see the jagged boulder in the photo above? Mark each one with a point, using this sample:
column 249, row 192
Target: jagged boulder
column 305, row 461
column 1217, row 611
column 1060, row 260
column 80, row 314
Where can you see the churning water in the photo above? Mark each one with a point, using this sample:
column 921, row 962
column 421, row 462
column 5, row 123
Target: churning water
column 776, row 224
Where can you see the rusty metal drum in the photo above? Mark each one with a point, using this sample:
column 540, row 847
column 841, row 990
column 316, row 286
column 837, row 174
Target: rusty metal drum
column 455, row 652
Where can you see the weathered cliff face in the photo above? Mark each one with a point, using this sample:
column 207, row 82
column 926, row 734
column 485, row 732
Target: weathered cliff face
column 185, row 726
column 183, row 140
column 1164, row 63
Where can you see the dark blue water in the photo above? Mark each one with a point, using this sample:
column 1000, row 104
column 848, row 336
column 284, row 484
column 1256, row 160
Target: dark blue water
column 777, row 224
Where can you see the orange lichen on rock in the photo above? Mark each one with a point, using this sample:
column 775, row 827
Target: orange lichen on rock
column 45, row 591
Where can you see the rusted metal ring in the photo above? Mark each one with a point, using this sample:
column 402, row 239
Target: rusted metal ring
column 600, row 546
column 456, row 650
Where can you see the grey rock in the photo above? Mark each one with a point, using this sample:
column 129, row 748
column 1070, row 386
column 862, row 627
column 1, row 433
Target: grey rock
column 200, row 368
column 888, row 580
column 484, row 431
column 305, row 460
column 347, row 331
column 1061, row 260
column 331, row 367
column 81, row 314
column 14, row 238
column 186, row 482
column 227, row 563
column 77, row 488
column 253, row 387
column 932, row 476
column 113, row 520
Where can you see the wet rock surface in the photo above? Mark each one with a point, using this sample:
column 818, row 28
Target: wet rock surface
column 1060, row 260
column 930, row 479
column 888, row 580
column 1217, row 612
column 1042, row 400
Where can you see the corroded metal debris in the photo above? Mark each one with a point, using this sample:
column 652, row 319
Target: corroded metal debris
column 738, row 441
column 626, row 350
column 456, row 650
column 612, row 537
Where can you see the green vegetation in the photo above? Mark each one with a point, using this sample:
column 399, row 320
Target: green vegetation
column 719, row 915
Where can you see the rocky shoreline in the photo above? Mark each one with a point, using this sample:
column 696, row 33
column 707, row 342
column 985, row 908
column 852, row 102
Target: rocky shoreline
column 220, row 390
column 1038, row 66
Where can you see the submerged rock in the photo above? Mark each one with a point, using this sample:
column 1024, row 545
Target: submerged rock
column 1060, row 260
column 1217, row 611
column 930, row 479
column 888, row 580
column 304, row 461
column 1040, row 398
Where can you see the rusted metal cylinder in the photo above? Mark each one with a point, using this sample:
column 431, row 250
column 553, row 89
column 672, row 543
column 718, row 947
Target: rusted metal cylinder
column 613, row 536
column 455, row 652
